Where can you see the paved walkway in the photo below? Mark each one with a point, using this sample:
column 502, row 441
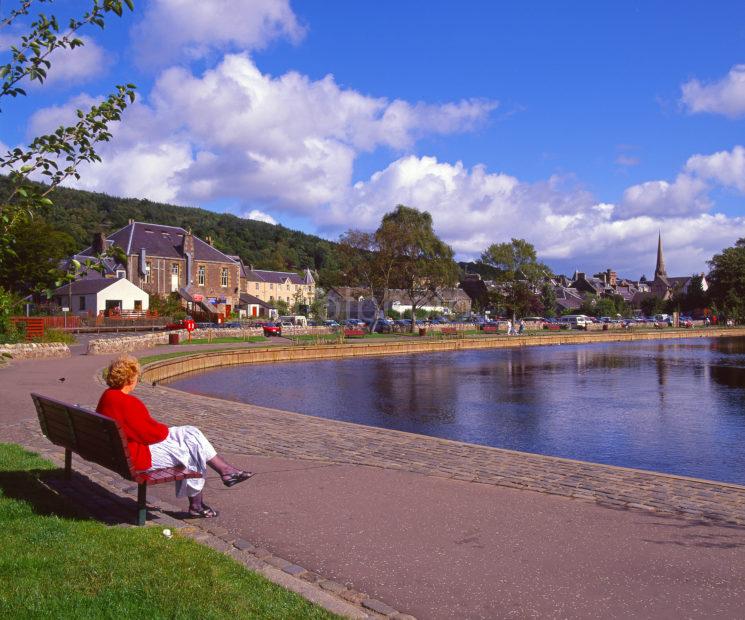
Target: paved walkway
column 439, row 529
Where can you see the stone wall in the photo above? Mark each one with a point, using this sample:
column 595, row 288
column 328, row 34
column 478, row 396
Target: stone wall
column 124, row 344
column 33, row 350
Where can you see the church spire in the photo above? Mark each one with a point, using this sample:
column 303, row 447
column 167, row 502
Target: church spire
column 659, row 271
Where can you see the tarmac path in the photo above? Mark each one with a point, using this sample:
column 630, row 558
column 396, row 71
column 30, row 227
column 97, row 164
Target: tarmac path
column 430, row 546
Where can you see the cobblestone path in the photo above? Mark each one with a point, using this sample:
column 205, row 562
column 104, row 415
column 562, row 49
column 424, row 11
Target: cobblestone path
column 248, row 429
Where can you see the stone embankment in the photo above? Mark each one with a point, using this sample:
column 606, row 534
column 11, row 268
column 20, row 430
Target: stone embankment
column 124, row 344
column 34, row 350
column 165, row 369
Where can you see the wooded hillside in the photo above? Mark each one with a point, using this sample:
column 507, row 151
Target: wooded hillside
column 266, row 246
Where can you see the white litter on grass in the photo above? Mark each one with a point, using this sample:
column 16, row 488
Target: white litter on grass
column 167, row 533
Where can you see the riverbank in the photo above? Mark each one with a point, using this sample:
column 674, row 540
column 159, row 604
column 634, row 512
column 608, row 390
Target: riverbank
column 165, row 369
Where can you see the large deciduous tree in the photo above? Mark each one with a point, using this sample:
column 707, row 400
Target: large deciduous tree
column 519, row 273
column 57, row 156
column 369, row 261
column 727, row 281
column 423, row 262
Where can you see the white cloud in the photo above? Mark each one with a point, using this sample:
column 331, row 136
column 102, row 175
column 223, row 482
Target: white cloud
column 686, row 195
column 726, row 96
column 288, row 141
column 191, row 29
column 725, row 167
column 259, row 216
column 78, row 65
column 473, row 208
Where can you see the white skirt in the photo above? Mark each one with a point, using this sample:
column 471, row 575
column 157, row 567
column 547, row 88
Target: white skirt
column 188, row 447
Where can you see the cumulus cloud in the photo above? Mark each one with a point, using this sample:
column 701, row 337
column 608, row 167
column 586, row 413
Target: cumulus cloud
column 725, row 96
column 192, row 29
column 79, row 65
column 685, row 195
column 259, row 216
column 726, row 168
column 472, row 208
column 288, row 140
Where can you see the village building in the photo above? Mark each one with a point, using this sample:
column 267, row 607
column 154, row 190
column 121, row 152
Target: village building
column 95, row 296
column 262, row 289
column 167, row 259
column 346, row 302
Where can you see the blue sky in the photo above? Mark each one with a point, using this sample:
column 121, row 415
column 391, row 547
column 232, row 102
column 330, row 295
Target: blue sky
column 583, row 127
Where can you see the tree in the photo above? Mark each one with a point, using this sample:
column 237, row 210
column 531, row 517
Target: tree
column 37, row 250
column 56, row 156
column 423, row 262
column 518, row 272
column 548, row 300
column 369, row 260
column 727, row 280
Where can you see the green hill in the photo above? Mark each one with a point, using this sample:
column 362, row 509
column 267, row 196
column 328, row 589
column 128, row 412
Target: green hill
column 266, row 246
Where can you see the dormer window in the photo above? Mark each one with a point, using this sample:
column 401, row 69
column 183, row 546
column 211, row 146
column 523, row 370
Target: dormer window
column 120, row 273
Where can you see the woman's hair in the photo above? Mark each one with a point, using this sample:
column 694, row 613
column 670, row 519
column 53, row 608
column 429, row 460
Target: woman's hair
column 122, row 371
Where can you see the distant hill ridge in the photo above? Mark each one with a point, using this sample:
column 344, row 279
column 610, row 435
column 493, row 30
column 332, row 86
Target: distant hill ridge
column 267, row 246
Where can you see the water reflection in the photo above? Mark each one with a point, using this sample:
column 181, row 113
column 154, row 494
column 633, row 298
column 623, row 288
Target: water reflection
column 663, row 405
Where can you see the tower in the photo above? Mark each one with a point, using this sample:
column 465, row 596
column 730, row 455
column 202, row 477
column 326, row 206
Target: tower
column 659, row 271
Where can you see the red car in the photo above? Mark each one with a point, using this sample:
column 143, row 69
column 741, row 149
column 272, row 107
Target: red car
column 272, row 329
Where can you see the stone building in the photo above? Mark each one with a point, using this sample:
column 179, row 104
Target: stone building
column 167, row 259
column 273, row 286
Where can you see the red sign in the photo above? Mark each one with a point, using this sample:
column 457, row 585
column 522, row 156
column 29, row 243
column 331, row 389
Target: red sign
column 189, row 325
column 197, row 297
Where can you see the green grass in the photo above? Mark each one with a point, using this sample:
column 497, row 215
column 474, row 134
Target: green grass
column 54, row 565
column 165, row 356
column 225, row 339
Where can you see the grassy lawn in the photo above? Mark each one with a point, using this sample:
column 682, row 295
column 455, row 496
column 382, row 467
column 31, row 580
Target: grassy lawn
column 223, row 340
column 166, row 356
column 53, row 565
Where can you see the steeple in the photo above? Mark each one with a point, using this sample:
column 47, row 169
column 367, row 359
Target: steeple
column 659, row 271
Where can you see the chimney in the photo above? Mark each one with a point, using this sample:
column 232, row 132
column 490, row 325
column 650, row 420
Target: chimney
column 131, row 221
column 98, row 245
column 143, row 258
column 209, row 240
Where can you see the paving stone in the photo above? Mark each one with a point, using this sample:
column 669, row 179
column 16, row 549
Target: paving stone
column 279, row 563
column 294, row 570
column 243, row 545
column 378, row 607
column 331, row 586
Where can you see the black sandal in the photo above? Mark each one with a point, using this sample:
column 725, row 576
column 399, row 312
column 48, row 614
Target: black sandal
column 237, row 477
column 205, row 512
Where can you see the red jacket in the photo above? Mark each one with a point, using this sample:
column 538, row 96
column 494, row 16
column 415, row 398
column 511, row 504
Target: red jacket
column 139, row 428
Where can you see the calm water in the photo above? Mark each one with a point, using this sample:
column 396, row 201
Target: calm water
column 672, row 406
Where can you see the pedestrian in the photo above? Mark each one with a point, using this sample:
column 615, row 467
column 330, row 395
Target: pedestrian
column 522, row 327
column 509, row 328
column 153, row 445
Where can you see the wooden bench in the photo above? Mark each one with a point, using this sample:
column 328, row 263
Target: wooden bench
column 490, row 329
column 354, row 333
column 449, row 331
column 101, row 440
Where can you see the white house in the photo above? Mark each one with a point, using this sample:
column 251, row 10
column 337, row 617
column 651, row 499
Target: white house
column 90, row 297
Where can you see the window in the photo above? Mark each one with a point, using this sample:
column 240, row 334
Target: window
column 224, row 277
column 271, row 286
column 81, row 305
column 174, row 269
column 120, row 273
column 257, row 286
column 271, row 298
column 138, row 305
column 147, row 272
column 288, row 287
column 201, row 279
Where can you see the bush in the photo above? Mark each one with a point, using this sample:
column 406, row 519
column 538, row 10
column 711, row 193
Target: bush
column 57, row 335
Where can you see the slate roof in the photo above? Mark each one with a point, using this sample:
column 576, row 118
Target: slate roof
column 160, row 241
column 275, row 277
column 254, row 301
column 86, row 286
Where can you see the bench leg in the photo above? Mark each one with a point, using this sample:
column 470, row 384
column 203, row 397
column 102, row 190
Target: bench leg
column 141, row 504
column 68, row 464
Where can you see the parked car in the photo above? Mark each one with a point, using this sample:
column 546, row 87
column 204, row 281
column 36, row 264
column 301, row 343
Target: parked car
column 330, row 323
column 272, row 329
column 574, row 321
column 232, row 324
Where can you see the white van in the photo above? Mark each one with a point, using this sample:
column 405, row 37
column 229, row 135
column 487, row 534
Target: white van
column 575, row 321
column 295, row 320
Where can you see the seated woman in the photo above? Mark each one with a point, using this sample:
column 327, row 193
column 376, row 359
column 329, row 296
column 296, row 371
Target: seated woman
column 153, row 445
